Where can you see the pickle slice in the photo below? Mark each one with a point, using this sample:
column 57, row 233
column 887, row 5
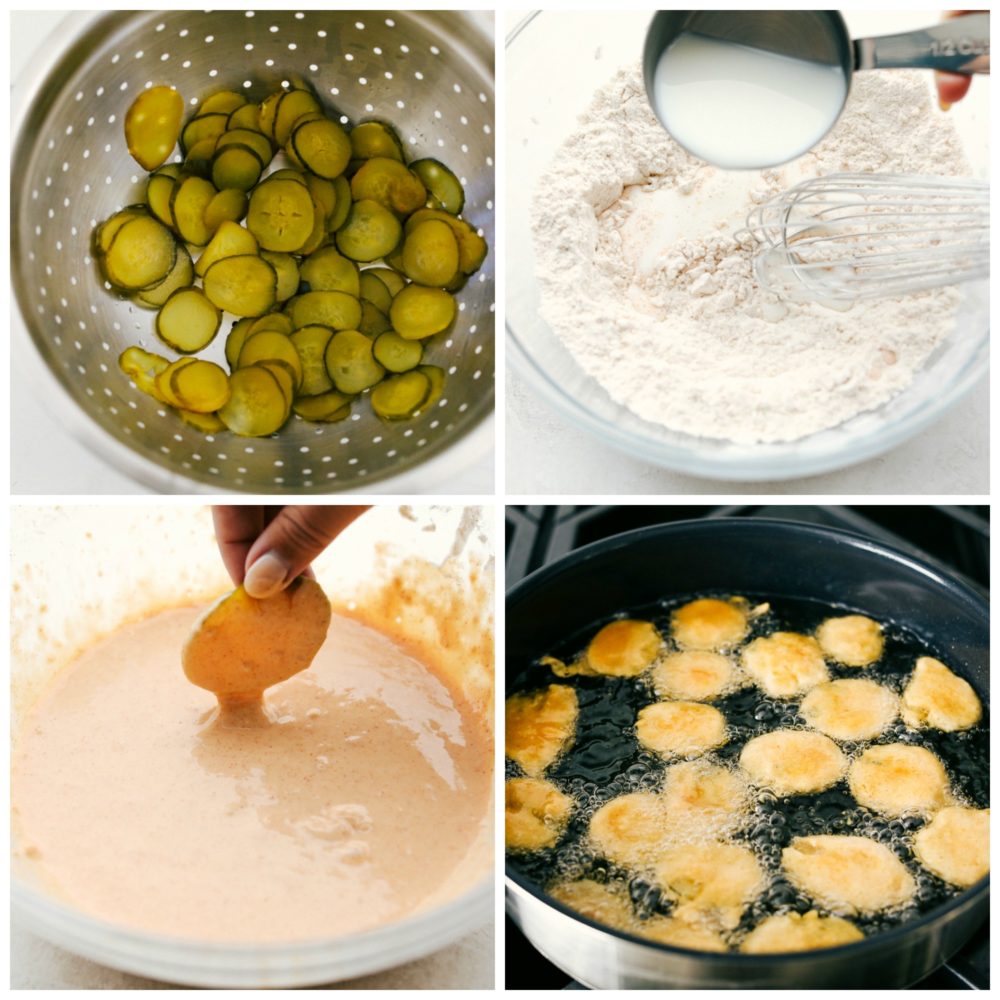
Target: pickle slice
column 318, row 235
column 227, row 206
column 291, row 107
column 108, row 229
column 207, row 423
column 250, row 138
column 269, row 345
column 472, row 248
column 188, row 204
column 163, row 381
column 334, row 309
column 441, row 183
column 396, row 354
column 142, row 253
column 198, row 160
column 342, row 189
column 244, row 285
column 188, row 322
column 236, row 339
column 327, row 408
column 202, row 127
column 430, row 254
column 370, row 232
column 246, row 116
column 350, row 362
column 311, row 343
column 282, row 371
column 370, row 139
column 327, row 270
column 437, row 377
column 230, row 240
column 400, row 396
column 180, row 276
column 268, row 109
column 256, row 405
column 392, row 280
column 142, row 367
column 201, row 387
column 152, row 125
column 159, row 188
column 281, row 214
column 236, row 166
column 222, row 102
column 278, row 322
column 418, row 312
column 322, row 146
column 287, row 269
column 373, row 320
column 390, row 183
column 324, row 194
column 374, row 290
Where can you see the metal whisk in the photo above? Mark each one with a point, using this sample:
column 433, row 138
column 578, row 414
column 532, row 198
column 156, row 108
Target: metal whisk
column 847, row 237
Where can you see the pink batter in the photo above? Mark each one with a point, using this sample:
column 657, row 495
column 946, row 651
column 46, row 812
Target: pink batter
column 369, row 786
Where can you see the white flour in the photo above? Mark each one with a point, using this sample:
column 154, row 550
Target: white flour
column 642, row 279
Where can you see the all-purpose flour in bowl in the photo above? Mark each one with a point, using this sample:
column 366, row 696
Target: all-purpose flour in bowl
column 643, row 276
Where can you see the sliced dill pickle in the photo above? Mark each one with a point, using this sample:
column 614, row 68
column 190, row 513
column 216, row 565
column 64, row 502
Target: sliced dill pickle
column 201, row 127
column 163, row 381
column 370, row 139
column 188, row 322
column 256, row 405
column 230, row 240
column 249, row 137
column 201, row 387
column 334, row 309
column 350, row 362
column 392, row 280
column 198, row 160
column 272, row 321
column 370, row 232
column 245, row 285
column 322, row 146
column 269, row 345
column 207, row 423
column 373, row 320
column 441, row 183
column 472, row 248
column 180, row 276
column 342, row 189
column 188, row 204
column 328, row 270
column 293, row 104
column 287, row 269
column 142, row 367
column 246, row 116
column 318, row 236
column 289, row 174
column 437, row 377
column 400, row 396
column 374, row 290
column 418, row 312
column 222, row 102
column 236, row 166
column 268, row 109
column 324, row 194
column 390, row 183
column 285, row 376
column 430, row 254
column 395, row 260
column 152, row 126
column 142, row 253
column 311, row 343
column 281, row 214
column 108, row 229
column 159, row 188
column 235, row 340
column 227, row 206
column 395, row 354
column 326, row 408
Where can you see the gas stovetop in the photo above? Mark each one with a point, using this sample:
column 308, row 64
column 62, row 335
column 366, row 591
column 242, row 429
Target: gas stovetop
column 955, row 539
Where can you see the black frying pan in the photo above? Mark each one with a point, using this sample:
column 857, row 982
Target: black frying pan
column 778, row 559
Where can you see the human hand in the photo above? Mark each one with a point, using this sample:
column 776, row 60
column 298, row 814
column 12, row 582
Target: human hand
column 952, row 87
column 265, row 548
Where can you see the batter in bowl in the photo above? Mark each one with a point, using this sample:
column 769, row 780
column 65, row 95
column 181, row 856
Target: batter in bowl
column 353, row 807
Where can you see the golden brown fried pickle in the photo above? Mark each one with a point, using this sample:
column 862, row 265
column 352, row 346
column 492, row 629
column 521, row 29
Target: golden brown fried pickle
column 853, row 640
column 793, row 762
column 851, row 709
column 631, row 830
column 605, row 903
column 693, row 675
column 785, row 664
column 955, row 845
column 540, row 726
column 536, row 813
column 711, row 883
column 939, row 699
column 896, row 779
column 680, row 933
column 848, row 874
column 680, row 728
column 710, row 623
column 702, row 800
column 799, row 932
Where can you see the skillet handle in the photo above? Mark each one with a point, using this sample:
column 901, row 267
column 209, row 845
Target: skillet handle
column 958, row 45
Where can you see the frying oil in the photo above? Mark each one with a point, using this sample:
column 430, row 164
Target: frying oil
column 742, row 107
column 606, row 761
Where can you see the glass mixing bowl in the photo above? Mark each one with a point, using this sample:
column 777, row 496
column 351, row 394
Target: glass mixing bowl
column 121, row 570
column 542, row 109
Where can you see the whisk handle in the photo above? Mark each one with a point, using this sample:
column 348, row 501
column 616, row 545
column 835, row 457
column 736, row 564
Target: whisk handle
column 958, row 45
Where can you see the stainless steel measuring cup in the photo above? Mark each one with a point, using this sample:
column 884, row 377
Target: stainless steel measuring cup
column 769, row 63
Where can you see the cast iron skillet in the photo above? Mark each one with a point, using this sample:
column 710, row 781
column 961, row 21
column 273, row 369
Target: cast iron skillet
column 779, row 559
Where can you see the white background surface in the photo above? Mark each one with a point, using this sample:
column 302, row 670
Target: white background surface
column 546, row 455
column 45, row 456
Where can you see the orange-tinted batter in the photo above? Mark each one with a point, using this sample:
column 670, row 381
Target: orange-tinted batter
column 365, row 789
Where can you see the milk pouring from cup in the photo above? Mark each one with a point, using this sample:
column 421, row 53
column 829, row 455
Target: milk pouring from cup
column 755, row 88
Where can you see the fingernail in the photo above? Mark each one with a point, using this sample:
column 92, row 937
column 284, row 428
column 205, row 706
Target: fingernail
column 266, row 576
column 944, row 105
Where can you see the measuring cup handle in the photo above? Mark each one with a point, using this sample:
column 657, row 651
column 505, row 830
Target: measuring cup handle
column 958, row 45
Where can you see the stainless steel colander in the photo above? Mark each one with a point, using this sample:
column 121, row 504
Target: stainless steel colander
column 429, row 73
